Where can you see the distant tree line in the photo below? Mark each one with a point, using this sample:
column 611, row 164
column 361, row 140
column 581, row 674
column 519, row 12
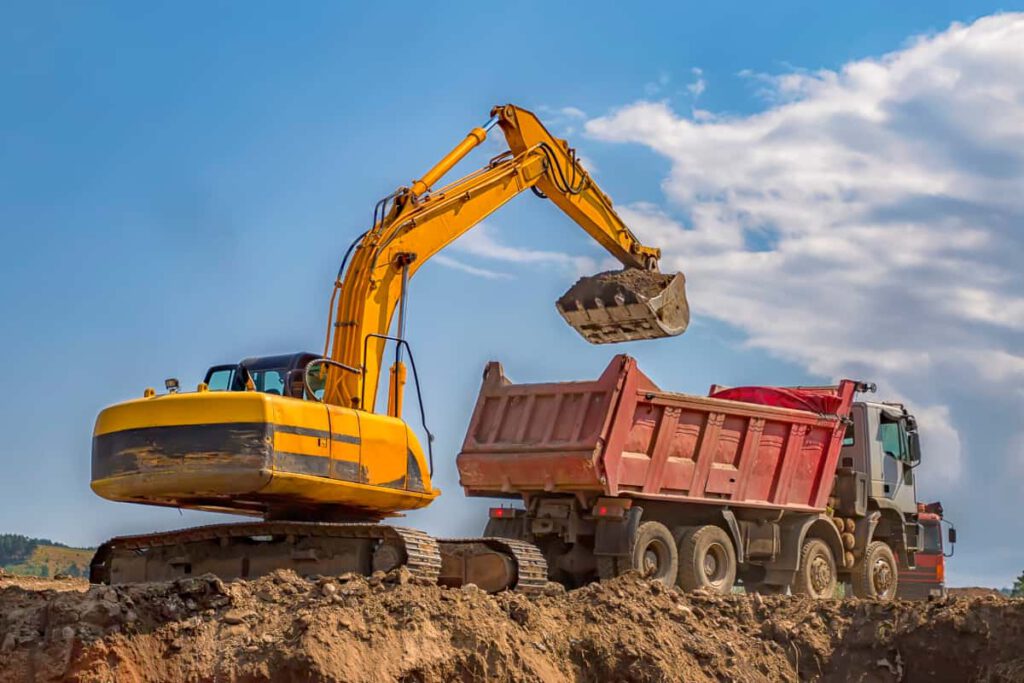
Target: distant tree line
column 17, row 551
column 15, row 548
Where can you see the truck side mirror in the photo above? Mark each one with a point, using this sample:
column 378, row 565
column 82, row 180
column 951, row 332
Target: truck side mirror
column 952, row 535
column 914, row 446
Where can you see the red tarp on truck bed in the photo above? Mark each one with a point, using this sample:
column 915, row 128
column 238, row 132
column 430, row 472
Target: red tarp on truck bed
column 797, row 399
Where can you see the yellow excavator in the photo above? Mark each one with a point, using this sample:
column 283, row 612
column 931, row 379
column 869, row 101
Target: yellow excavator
column 295, row 439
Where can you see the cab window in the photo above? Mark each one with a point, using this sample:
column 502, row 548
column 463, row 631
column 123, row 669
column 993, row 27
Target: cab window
column 893, row 439
column 848, row 438
column 222, row 380
column 932, row 538
column 269, row 381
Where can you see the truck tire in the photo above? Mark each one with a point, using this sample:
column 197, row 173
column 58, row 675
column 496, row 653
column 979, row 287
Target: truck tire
column 876, row 576
column 816, row 577
column 707, row 560
column 654, row 553
column 654, row 556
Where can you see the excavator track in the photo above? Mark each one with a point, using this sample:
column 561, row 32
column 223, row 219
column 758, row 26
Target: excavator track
column 531, row 565
column 523, row 569
column 248, row 550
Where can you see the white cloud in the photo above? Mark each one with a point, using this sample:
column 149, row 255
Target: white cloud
column 572, row 113
column 941, row 442
column 562, row 121
column 655, row 87
column 699, row 84
column 454, row 264
column 483, row 242
column 869, row 223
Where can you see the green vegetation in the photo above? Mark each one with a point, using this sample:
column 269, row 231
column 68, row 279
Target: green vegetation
column 1018, row 587
column 42, row 557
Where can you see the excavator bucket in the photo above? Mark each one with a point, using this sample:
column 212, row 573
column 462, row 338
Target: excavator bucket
column 626, row 305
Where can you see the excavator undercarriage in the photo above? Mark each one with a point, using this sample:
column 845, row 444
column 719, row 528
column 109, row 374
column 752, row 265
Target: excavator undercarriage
column 249, row 550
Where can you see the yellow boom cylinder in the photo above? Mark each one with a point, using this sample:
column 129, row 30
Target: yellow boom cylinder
column 475, row 137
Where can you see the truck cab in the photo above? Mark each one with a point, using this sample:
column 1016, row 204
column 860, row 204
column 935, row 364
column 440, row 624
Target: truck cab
column 928, row 578
column 875, row 479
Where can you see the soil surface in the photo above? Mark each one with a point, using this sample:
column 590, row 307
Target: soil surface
column 349, row 628
column 613, row 287
column 974, row 592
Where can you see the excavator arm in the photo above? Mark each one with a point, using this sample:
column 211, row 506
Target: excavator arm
column 416, row 222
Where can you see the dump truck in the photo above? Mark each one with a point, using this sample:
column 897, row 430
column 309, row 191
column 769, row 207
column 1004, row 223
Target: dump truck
column 927, row 579
column 774, row 488
column 300, row 440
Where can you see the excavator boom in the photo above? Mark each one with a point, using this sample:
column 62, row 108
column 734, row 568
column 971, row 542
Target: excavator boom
column 416, row 222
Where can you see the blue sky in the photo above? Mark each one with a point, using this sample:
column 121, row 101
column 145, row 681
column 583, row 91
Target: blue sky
column 179, row 182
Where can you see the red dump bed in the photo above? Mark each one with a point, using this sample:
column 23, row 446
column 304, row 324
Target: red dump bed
column 621, row 435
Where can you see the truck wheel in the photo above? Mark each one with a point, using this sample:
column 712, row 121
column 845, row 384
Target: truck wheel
column 707, row 560
column 876, row 576
column 816, row 577
column 654, row 553
column 653, row 556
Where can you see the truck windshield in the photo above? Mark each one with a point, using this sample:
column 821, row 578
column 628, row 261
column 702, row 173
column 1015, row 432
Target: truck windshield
column 932, row 538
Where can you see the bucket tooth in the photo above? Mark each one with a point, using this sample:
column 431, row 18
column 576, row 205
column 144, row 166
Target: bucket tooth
column 626, row 305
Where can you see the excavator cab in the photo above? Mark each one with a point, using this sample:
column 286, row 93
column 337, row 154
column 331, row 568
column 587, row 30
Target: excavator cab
column 280, row 375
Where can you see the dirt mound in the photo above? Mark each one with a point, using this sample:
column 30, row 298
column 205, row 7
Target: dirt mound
column 386, row 628
column 974, row 592
column 616, row 287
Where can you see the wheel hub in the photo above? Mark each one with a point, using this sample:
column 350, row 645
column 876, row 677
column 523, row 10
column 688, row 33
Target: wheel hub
column 715, row 564
column 651, row 562
column 820, row 575
column 882, row 577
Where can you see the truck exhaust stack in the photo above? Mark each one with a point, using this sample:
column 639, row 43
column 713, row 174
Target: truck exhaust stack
column 626, row 305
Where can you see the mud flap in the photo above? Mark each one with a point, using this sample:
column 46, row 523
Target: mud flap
column 615, row 536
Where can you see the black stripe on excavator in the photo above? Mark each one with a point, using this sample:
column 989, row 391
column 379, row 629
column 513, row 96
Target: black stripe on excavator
column 320, row 466
column 301, row 463
column 246, row 445
column 414, row 478
column 318, row 433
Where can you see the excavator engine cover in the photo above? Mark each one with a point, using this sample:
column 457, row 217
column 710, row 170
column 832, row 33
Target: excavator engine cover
column 626, row 305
